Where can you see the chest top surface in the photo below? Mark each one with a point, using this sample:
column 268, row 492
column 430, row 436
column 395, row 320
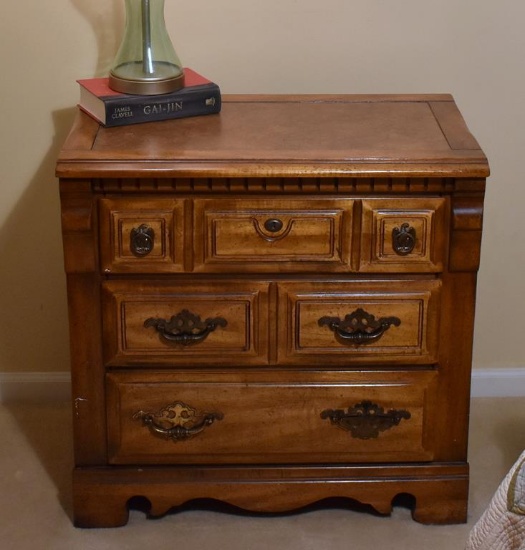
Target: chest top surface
column 285, row 135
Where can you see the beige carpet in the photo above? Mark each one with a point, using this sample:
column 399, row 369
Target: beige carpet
column 35, row 503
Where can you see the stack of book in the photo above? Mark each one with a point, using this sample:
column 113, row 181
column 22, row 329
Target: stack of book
column 199, row 96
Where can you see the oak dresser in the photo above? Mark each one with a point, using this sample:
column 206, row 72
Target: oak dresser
column 273, row 306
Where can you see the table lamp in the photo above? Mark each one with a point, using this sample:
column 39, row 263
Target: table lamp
column 146, row 62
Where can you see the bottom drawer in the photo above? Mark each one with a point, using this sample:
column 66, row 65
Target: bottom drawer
column 279, row 417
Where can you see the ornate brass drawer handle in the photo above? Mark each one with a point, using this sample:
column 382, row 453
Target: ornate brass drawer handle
column 185, row 328
column 403, row 239
column 358, row 327
column 177, row 421
column 142, row 240
column 365, row 420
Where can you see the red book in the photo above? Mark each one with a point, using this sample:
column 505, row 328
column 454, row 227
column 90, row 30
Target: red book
column 199, row 96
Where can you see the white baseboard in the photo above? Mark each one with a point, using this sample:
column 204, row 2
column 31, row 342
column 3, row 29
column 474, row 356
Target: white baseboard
column 56, row 386
column 504, row 382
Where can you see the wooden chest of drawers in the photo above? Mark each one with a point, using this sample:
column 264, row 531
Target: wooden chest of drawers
column 274, row 305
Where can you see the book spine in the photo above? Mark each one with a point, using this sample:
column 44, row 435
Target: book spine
column 125, row 111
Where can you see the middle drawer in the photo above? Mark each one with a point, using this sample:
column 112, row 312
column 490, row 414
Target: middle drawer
column 244, row 323
column 167, row 323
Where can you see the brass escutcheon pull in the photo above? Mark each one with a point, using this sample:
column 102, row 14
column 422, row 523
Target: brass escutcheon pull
column 403, row 239
column 185, row 328
column 358, row 327
column 365, row 420
column 142, row 240
column 177, row 421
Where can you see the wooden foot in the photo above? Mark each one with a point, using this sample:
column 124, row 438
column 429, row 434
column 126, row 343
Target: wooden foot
column 98, row 505
column 442, row 507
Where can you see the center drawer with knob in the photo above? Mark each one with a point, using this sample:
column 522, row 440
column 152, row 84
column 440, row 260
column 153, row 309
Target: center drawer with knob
column 273, row 235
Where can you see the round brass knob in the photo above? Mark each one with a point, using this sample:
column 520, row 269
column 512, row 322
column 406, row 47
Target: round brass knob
column 273, row 225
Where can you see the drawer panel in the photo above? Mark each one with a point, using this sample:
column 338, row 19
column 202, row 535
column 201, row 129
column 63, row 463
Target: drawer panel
column 165, row 323
column 143, row 236
column 272, row 235
column 403, row 235
column 294, row 417
column 359, row 321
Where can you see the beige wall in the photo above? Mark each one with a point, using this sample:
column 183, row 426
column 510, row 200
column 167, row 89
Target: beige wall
column 471, row 48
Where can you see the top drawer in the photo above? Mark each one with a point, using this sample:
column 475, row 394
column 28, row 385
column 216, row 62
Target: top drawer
column 260, row 235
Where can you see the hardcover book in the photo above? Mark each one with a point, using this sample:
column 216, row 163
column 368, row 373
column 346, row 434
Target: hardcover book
column 199, row 96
